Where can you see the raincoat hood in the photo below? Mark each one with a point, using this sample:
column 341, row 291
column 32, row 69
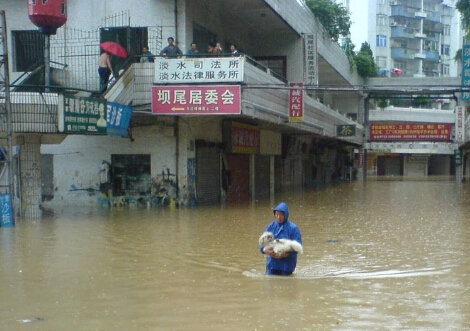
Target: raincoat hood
column 284, row 208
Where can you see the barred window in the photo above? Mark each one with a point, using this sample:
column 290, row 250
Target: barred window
column 28, row 49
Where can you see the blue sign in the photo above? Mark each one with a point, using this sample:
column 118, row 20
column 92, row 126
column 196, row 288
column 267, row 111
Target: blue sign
column 6, row 211
column 466, row 72
column 119, row 119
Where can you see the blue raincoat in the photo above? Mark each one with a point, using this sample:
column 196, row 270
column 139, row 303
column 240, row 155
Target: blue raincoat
column 287, row 230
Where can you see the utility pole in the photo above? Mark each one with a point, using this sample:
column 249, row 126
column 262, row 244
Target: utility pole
column 7, row 217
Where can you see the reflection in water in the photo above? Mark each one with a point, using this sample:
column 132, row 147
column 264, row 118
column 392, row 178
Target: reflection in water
column 378, row 256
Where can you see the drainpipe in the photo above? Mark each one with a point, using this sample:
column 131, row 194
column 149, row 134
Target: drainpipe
column 176, row 20
column 177, row 155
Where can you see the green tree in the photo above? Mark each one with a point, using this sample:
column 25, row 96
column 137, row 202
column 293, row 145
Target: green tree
column 364, row 61
column 334, row 18
column 348, row 49
column 463, row 6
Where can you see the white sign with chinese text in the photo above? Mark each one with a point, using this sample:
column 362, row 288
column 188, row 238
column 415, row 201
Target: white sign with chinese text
column 311, row 61
column 199, row 70
column 460, row 124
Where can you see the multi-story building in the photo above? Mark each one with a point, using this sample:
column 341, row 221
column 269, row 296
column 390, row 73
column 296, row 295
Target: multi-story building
column 419, row 37
column 238, row 142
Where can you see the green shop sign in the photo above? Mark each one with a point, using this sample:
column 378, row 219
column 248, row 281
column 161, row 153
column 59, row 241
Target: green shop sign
column 457, row 157
column 83, row 115
column 345, row 130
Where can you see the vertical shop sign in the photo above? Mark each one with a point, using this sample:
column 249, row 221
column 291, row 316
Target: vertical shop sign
column 296, row 102
column 459, row 124
column 466, row 72
column 6, row 211
column 311, row 61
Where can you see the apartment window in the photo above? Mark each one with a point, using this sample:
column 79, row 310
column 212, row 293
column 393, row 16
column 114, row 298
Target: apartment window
column 28, row 49
column 400, row 65
column 381, row 20
column 445, row 49
column 445, row 69
column 431, row 46
column 446, row 30
column 381, row 41
column 381, row 61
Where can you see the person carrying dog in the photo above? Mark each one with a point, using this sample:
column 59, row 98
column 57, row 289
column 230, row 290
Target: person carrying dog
column 282, row 228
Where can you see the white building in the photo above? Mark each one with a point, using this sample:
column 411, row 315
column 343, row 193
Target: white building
column 420, row 38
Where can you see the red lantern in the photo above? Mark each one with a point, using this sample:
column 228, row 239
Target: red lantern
column 48, row 15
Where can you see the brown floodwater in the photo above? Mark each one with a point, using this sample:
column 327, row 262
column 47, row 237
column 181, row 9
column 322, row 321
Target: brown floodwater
column 377, row 256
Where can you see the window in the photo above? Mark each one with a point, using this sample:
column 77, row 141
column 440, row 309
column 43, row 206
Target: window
column 28, row 49
column 130, row 174
column 381, row 41
column 445, row 49
column 445, row 69
column 381, row 61
column 400, row 65
column 446, row 30
column 381, row 20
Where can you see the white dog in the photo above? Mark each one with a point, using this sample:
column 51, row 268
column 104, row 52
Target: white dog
column 280, row 246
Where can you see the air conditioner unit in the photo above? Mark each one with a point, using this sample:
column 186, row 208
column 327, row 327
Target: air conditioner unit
column 393, row 24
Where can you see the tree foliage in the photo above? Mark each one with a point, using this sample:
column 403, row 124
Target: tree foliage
column 364, row 61
column 463, row 6
column 334, row 18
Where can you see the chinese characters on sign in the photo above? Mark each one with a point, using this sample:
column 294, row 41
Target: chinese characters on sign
column 410, row 131
column 245, row 138
column 345, row 130
column 196, row 100
column 466, row 72
column 311, row 63
column 83, row 115
column 199, row 70
column 6, row 211
column 459, row 124
column 119, row 118
column 296, row 102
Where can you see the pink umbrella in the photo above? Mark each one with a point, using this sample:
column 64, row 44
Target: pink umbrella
column 114, row 48
column 397, row 72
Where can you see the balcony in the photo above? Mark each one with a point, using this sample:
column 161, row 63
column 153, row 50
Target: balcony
column 419, row 56
column 401, row 53
column 402, row 11
column 433, row 17
column 420, row 14
column 431, row 56
column 432, row 36
column 258, row 102
column 402, row 32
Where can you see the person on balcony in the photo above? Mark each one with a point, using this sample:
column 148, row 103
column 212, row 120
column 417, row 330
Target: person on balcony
column 105, row 70
column 147, row 55
column 193, row 51
column 234, row 50
column 171, row 50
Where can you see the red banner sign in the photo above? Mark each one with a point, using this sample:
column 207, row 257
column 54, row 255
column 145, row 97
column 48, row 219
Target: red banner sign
column 296, row 102
column 245, row 138
column 196, row 100
column 410, row 131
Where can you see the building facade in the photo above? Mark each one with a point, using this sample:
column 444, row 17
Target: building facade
column 420, row 38
column 216, row 153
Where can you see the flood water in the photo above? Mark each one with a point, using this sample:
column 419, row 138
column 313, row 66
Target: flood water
column 377, row 256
